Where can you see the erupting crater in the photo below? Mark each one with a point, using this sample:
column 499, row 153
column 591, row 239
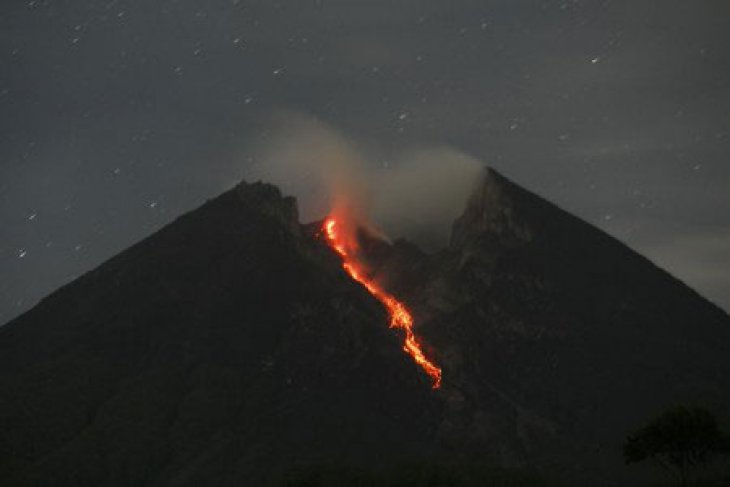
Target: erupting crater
column 346, row 246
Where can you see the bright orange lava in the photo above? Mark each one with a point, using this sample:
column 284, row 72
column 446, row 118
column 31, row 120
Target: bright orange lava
column 400, row 317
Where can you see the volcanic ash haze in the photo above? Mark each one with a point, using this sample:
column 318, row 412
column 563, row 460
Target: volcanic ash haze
column 416, row 194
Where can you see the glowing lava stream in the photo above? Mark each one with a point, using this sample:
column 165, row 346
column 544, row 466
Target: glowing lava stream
column 400, row 317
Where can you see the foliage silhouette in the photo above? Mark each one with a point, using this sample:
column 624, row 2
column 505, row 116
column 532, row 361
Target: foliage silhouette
column 680, row 440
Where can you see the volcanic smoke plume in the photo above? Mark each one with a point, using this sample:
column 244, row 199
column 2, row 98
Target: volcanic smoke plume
column 415, row 194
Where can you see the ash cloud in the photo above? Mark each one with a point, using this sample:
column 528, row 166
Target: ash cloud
column 414, row 194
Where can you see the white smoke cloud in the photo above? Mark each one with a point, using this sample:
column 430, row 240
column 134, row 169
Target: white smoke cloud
column 417, row 196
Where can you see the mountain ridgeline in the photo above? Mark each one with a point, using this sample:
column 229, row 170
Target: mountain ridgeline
column 230, row 348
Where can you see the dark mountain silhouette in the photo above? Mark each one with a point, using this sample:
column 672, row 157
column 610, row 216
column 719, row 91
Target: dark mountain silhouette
column 230, row 348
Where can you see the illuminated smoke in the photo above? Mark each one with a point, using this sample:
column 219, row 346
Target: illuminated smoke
column 414, row 194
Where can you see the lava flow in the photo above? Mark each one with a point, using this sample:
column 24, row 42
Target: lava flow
column 400, row 317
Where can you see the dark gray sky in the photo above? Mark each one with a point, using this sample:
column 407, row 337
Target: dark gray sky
column 116, row 116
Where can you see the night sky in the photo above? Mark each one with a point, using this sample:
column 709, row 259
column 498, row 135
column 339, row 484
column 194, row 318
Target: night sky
column 117, row 116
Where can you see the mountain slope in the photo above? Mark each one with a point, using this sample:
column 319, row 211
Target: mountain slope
column 577, row 337
column 224, row 347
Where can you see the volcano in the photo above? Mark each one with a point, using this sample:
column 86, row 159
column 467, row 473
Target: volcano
column 232, row 348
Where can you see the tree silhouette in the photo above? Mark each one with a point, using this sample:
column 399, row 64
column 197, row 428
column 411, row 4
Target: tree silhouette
column 680, row 439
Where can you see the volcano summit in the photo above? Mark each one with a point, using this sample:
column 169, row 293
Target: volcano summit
column 232, row 348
